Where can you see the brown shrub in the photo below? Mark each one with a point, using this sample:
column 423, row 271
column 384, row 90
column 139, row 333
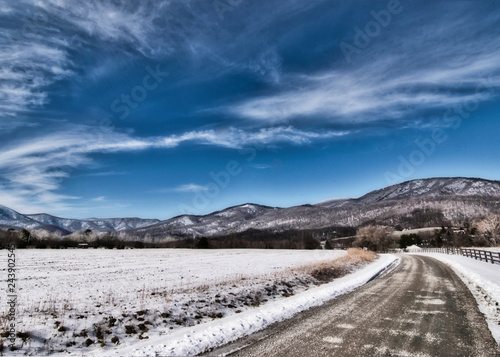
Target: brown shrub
column 337, row 268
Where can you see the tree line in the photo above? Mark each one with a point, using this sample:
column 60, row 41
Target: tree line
column 25, row 238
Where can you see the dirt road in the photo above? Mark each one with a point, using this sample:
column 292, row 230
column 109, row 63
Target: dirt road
column 420, row 309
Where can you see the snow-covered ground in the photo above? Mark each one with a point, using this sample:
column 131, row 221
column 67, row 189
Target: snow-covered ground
column 85, row 302
column 190, row 341
column 68, row 298
column 483, row 280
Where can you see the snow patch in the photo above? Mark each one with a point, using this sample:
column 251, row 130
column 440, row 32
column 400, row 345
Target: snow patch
column 184, row 221
column 346, row 326
column 426, row 301
column 333, row 340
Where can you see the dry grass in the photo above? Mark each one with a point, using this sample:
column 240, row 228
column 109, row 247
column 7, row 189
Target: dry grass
column 362, row 255
column 327, row 271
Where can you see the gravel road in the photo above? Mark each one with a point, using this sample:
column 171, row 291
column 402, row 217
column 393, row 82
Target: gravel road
column 421, row 308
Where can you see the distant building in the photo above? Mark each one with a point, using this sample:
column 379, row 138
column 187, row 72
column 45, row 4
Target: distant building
column 414, row 248
column 83, row 245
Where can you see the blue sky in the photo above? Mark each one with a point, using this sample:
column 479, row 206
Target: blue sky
column 158, row 108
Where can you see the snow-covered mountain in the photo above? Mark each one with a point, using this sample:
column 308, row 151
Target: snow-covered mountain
column 98, row 224
column 434, row 187
column 413, row 202
column 435, row 200
column 11, row 218
column 229, row 220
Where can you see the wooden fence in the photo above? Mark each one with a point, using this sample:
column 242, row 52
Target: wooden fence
column 478, row 254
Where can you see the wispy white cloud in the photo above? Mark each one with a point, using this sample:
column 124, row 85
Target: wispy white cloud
column 99, row 199
column 370, row 95
column 400, row 74
column 33, row 170
column 106, row 173
column 27, row 67
column 260, row 166
column 128, row 22
column 238, row 138
column 38, row 40
column 191, row 188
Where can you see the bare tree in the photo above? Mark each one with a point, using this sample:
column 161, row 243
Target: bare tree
column 375, row 238
column 489, row 227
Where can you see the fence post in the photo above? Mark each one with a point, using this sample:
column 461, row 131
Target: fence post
column 491, row 258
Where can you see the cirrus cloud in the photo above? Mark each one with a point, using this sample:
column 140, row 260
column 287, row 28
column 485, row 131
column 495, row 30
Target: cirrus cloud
column 33, row 170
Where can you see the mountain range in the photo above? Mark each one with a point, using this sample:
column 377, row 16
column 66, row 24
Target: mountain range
column 12, row 219
column 422, row 202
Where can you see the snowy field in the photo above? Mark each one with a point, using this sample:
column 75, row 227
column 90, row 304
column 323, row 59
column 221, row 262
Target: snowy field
column 79, row 278
column 77, row 300
column 483, row 280
column 190, row 341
